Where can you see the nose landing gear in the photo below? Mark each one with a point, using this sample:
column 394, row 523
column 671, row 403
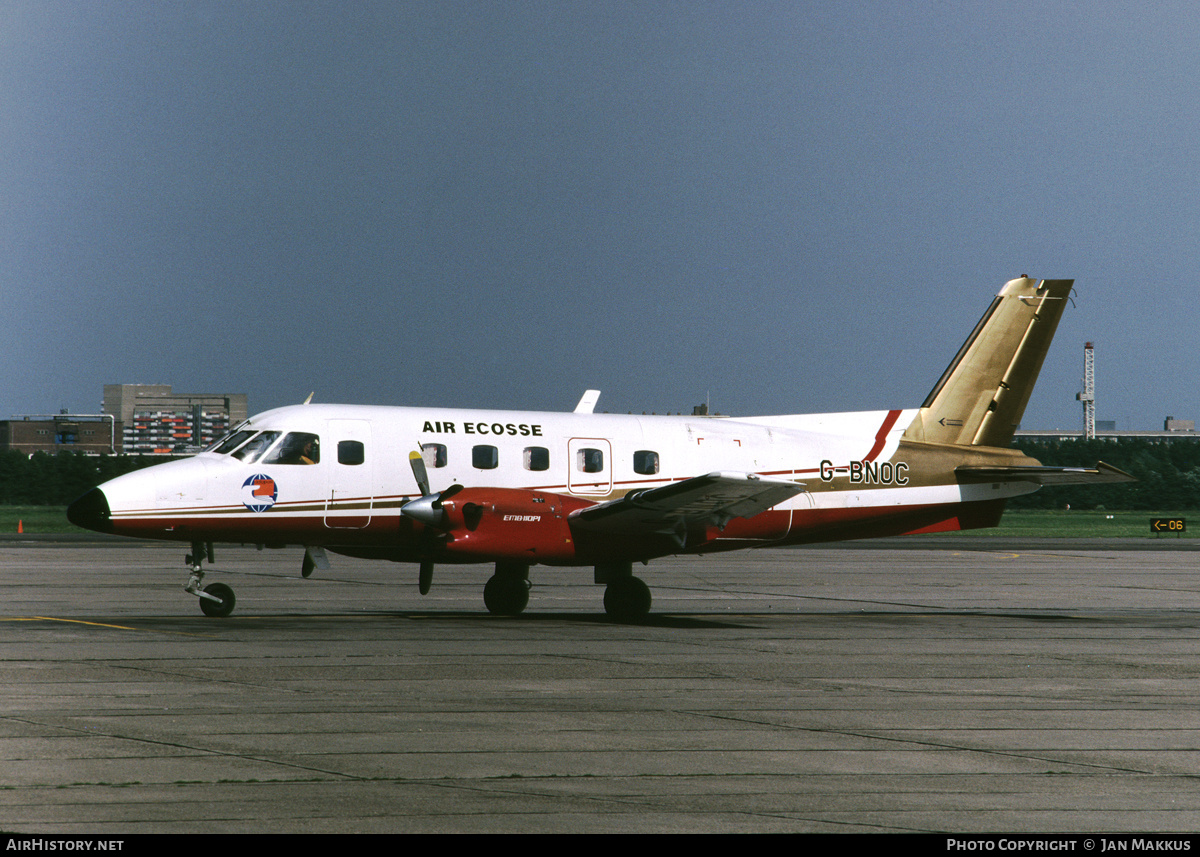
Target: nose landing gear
column 216, row 599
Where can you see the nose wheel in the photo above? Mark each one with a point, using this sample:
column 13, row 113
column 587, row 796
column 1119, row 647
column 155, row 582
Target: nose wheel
column 219, row 602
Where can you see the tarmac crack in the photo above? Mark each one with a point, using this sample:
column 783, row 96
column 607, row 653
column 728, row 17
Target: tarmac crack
column 180, row 745
column 215, row 679
column 938, row 745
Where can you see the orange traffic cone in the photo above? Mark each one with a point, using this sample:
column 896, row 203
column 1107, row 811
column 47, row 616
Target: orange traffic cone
column 20, row 526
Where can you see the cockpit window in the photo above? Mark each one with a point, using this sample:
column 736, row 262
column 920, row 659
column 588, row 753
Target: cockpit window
column 232, row 442
column 250, row 452
column 297, row 448
column 212, row 447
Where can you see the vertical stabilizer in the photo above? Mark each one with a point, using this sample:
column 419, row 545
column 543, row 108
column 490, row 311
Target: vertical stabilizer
column 981, row 396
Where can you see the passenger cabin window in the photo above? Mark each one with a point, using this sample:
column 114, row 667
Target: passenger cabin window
column 351, row 452
column 297, row 448
column 536, row 458
column 251, row 451
column 645, row 462
column 485, row 457
column 434, row 454
column 589, row 460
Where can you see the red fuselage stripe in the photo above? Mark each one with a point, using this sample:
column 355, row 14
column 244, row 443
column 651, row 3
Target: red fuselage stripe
column 881, row 435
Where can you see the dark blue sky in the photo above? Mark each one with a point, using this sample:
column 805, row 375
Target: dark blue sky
column 789, row 207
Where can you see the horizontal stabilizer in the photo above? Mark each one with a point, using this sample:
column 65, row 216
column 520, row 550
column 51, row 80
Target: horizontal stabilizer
column 1045, row 475
column 712, row 500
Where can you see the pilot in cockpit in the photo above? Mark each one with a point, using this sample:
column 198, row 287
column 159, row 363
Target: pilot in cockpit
column 300, row 448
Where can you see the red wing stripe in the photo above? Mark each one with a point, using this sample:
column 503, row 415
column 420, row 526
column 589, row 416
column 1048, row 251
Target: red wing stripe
column 881, row 435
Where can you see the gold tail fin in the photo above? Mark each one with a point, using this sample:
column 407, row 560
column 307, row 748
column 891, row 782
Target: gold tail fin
column 982, row 395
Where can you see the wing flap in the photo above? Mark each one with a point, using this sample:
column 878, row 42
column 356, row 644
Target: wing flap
column 1099, row 474
column 710, row 500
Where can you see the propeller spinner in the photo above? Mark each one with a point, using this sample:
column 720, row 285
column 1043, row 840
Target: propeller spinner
column 428, row 507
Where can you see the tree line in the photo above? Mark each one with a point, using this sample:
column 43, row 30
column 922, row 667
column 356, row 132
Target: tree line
column 43, row 479
column 1168, row 474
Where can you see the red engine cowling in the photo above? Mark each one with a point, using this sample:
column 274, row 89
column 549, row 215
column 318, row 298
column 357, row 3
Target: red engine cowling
column 511, row 524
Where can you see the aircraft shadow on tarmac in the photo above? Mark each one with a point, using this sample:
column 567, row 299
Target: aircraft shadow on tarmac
column 673, row 621
column 250, row 622
column 652, row 621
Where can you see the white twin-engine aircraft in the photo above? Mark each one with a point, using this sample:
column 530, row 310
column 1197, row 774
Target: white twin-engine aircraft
column 518, row 489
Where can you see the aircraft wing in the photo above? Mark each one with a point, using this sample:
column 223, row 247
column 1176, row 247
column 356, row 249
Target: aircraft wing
column 712, row 500
column 1044, row 475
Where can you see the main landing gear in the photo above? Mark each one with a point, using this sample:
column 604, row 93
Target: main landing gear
column 507, row 591
column 626, row 598
column 216, row 599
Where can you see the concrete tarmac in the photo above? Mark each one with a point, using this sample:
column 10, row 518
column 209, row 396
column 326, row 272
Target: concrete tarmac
column 952, row 686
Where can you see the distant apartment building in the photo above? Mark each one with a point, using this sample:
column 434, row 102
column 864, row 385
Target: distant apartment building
column 158, row 421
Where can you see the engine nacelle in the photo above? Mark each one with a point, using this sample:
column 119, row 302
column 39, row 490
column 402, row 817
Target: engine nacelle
column 511, row 524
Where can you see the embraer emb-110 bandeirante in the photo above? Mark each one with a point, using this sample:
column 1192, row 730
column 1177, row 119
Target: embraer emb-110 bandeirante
column 518, row 489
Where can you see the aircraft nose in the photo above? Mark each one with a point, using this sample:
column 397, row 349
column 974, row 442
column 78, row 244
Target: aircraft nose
column 91, row 512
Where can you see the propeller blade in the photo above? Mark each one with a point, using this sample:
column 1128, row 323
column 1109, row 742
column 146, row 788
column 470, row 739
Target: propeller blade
column 426, row 577
column 419, row 472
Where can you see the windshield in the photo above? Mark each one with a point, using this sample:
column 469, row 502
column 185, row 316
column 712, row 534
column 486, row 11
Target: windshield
column 250, row 452
column 212, row 447
column 232, row 442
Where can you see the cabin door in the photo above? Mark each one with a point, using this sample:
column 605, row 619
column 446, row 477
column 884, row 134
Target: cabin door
column 349, row 459
column 589, row 466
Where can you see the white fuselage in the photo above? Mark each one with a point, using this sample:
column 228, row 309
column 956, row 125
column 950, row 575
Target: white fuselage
column 352, row 494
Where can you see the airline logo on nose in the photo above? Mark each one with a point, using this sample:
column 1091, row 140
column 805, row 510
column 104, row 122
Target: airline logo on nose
column 259, row 492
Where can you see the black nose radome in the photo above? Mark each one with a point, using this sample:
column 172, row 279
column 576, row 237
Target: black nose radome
column 91, row 512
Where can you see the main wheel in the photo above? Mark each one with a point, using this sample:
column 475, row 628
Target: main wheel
column 506, row 596
column 627, row 600
column 213, row 608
